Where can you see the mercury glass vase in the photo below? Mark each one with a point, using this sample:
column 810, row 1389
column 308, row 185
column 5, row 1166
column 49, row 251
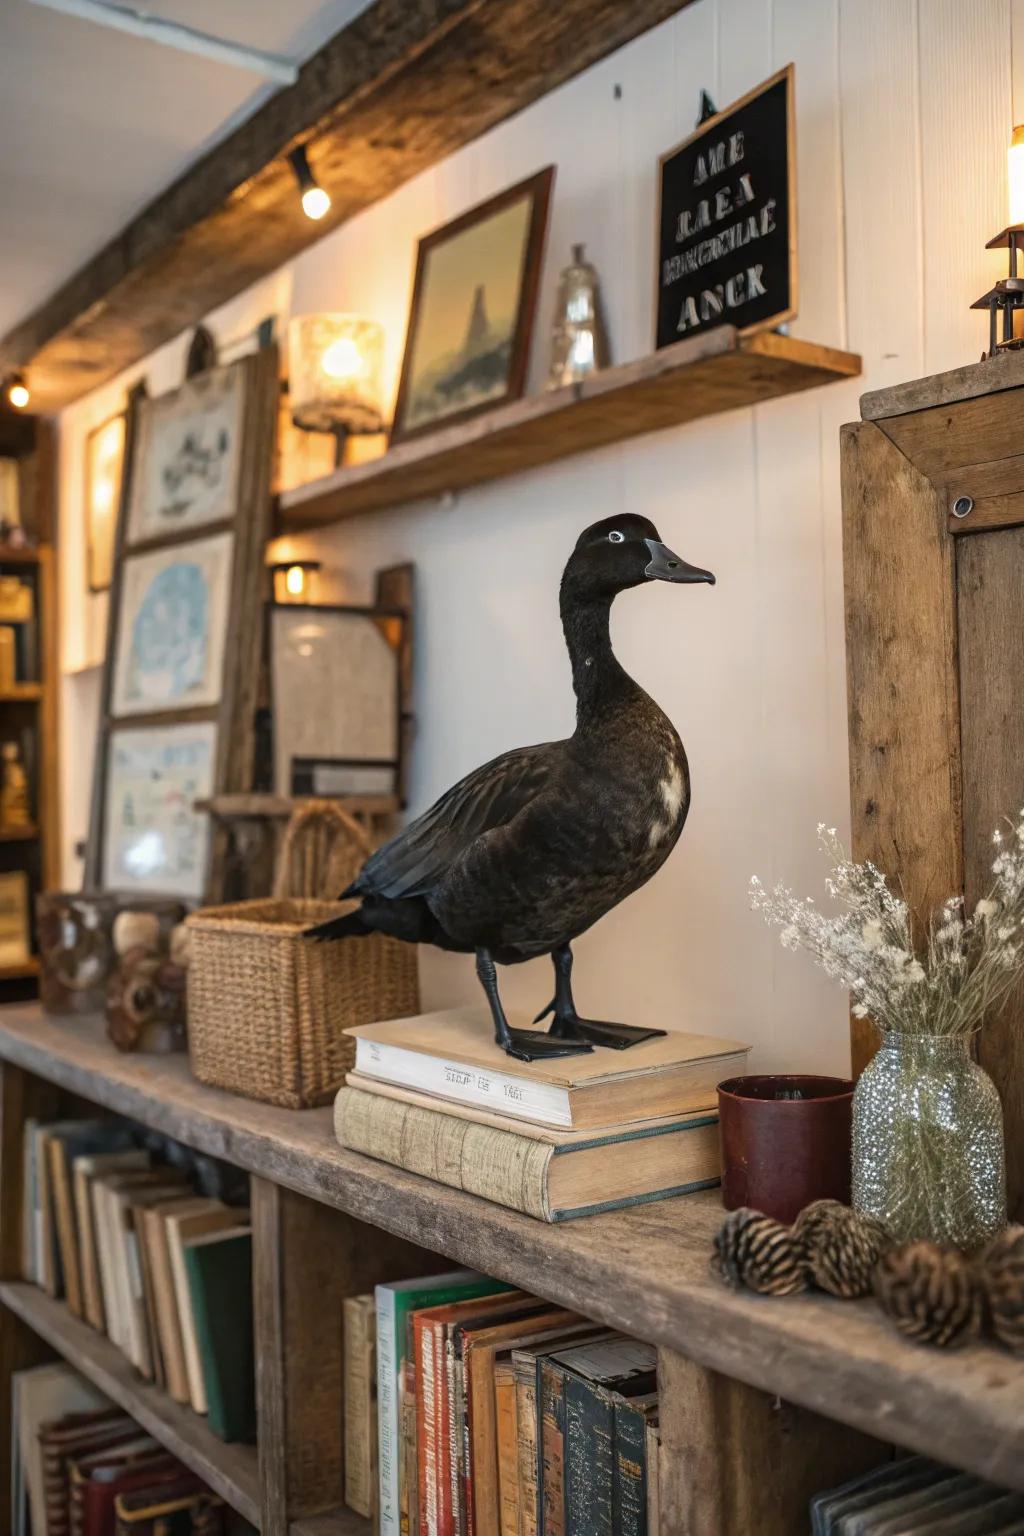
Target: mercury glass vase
column 928, row 1154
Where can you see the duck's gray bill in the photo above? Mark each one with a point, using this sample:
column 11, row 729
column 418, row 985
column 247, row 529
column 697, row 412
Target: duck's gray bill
column 665, row 566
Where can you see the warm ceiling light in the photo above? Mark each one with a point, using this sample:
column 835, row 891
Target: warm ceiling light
column 315, row 201
column 17, row 392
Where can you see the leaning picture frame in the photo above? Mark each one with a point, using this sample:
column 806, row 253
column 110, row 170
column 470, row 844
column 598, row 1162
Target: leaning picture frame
column 337, row 698
column 178, row 591
column 104, row 467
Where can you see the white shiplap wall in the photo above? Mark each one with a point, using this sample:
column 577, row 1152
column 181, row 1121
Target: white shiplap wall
column 904, row 110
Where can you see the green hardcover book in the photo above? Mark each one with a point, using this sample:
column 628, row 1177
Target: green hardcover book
column 219, row 1269
column 394, row 1303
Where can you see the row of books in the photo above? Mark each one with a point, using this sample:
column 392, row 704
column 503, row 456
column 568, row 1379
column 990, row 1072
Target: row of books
column 139, row 1237
column 496, row 1414
column 555, row 1139
column 913, row 1496
column 82, row 1467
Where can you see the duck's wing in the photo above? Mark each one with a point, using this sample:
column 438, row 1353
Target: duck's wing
column 488, row 797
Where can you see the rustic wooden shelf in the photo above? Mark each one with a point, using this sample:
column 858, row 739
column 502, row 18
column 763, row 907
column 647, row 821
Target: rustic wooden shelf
column 22, row 693
column 18, row 834
column 337, row 1522
column 19, row 969
column 231, row 1470
column 717, row 371
column 643, row 1270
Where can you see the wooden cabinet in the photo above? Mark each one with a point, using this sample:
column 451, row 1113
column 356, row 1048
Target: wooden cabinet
column 933, row 548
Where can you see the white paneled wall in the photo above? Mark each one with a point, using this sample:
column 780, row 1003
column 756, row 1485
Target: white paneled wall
column 904, row 111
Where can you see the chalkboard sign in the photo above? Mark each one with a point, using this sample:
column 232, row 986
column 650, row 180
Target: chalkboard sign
column 727, row 219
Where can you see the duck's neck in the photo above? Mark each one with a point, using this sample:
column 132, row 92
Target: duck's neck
column 598, row 680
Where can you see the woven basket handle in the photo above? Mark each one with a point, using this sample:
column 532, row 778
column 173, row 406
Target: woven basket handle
column 322, row 851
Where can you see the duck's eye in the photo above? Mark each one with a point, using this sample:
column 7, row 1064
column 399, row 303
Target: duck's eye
column 615, row 537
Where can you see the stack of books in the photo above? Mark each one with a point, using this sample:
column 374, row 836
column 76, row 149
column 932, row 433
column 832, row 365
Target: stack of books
column 496, row 1413
column 555, row 1139
column 914, row 1496
column 118, row 1229
column 82, row 1467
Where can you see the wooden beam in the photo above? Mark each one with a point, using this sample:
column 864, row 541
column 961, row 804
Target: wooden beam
column 902, row 696
column 405, row 84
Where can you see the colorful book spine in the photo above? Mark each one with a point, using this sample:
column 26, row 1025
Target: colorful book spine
column 526, row 1426
column 360, row 1405
column 551, row 1449
column 629, row 1487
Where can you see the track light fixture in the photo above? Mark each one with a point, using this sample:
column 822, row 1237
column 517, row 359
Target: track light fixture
column 17, row 391
column 315, row 201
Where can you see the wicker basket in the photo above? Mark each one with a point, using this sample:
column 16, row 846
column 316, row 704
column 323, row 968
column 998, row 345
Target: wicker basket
column 267, row 1008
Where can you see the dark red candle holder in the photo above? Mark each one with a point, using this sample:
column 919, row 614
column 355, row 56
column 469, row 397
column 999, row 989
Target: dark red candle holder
column 785, row 1141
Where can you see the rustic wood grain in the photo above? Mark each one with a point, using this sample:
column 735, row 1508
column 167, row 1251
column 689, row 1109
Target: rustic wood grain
column 941, row 441
column 400, row 88
column 1004, row 371
column 643, row 1270
column 309, row 1259
column 735, row 1460
column 990, row 512
column 336, row 1522
column 715, row 371
column 230, row 1470
column 990, row 602
column 901, row 658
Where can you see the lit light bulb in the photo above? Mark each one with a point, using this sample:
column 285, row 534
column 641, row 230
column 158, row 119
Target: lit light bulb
column 17, row 394
column 295, row 580
column 342, row 359
column 315, row 202
column 1016, row 168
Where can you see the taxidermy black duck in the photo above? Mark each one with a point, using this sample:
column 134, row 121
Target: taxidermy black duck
column 525, row 854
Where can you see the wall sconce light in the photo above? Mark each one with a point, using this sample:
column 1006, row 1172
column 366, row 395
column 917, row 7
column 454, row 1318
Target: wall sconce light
column 335, row 364
column 315, row 201
column 295, row 580
column 17, row 391
column 1008, row 294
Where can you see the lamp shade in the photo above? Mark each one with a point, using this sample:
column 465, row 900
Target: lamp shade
column 335, row 364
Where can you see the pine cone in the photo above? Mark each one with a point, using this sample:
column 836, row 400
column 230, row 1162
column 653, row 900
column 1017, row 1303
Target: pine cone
column 757, row 1252
column 1001, row 1273
column 843, row 1247
column 931, row 1293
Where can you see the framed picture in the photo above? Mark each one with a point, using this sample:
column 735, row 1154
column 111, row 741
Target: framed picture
column 104, row 462
column 467, row 344
column 153, row 838
column 726, row 235
column 187, row 456
column 172, row 626
column 10, row 501
column 14, row 925
column 336, row 690
column 178, row 719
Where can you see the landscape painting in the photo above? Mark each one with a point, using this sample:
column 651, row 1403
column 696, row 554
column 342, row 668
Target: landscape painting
column 467, row 345
column 187, row 457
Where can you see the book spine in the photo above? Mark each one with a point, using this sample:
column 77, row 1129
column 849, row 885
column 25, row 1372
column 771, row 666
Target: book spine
column 498, row 1165
column 653, row 1442
column 629, row 1486
column 551, row 1449
column 360, row 1406
column 508, row 1450
column 388, row 1429
column 588, row 1473
column 426, row 1425
column 526, row 1424
column 453, row 1431
column 444, row 1079
column 465, row 1383
column 408, row 1481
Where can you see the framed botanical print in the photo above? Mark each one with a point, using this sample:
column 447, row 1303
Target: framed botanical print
column 467, row 346
column 178, row 702
column 153, row 837
column 187, row 456
column 104, row 462
column 172, row 626
column 336, row 690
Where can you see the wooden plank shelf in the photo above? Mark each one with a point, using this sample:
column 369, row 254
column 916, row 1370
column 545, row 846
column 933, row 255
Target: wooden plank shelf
column 717, row 371
column 337, row 1522
column 18, row 834
column 18, row 970
column 22, row 693
column 643, row 1270
column 230, row 1470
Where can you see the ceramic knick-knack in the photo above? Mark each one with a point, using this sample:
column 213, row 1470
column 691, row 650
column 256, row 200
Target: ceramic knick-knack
column 579, row 343
column 15, row 810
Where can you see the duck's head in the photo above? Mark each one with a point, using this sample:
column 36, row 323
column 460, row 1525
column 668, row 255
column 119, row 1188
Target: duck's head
column 622, row 552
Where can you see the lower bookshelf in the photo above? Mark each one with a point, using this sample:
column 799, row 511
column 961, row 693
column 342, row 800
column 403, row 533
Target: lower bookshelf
column 230, row 1470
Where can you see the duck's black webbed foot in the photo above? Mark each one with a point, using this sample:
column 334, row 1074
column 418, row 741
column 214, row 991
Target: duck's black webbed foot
column 567, row 1023
column 533, row 1045
column 618, row 1037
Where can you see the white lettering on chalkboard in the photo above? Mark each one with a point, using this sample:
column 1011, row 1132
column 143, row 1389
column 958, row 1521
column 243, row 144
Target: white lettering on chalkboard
column 705, row 306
